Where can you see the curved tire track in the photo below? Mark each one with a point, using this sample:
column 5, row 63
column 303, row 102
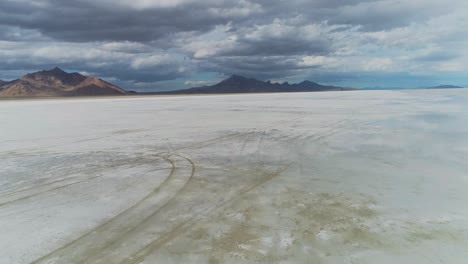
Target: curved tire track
column 116, row 228
column 33, row 194
column 140, row 255
column 179, row 229
column 26, row 193
column 99, row 244
column 119, row 244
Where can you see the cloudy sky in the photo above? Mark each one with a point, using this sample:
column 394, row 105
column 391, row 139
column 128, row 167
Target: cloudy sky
column 168, row 44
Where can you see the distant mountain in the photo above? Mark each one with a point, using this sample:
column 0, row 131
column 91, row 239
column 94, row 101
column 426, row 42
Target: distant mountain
column 2, row 83
column 239, row 84
column 56, row 82
column 445, row 86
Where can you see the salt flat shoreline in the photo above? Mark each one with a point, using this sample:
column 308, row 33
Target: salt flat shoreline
column 196, row 95
column 146, row 95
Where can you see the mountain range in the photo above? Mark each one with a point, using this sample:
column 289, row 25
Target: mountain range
column 56, row 82
column 445, row 86
column 240, row 84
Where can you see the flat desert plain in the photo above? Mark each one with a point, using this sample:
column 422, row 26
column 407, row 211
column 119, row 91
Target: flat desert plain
column 330, row 177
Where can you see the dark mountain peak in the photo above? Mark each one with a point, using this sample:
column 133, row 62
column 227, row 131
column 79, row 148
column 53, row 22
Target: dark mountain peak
column 238, row 77
column 56, row 70
column 308, row 85
column 235, row 78
column 445, row 86
column 53, row 77
column 307, row 82
column 57, row 73
column 56, row 82
column 53, row 72
column 240, row 84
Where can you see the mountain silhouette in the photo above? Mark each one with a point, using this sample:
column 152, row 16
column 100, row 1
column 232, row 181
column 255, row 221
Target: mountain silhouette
column 57, row 82
column 240, row 84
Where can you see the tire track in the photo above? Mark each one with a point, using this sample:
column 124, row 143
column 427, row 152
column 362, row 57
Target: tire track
column 214, row 140
column 36, row 186
column 179, row 229
column 33, row 182
column 330, row 130
column 91, row 242
column 107, row 250
column 47, row 190
column 139, row 256
column 96, row 245
column 246, row 140
column 114, row 251
column 41, row 189
column 34, row 151
column 239, row 134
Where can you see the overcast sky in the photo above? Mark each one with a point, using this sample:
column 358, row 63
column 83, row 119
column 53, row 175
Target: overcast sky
column 168, row 44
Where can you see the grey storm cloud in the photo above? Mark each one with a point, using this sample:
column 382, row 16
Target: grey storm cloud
column 84, row 21
column 144, row 41
column 252, row 66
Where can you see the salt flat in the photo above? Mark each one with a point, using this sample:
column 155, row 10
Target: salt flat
column 332, row 177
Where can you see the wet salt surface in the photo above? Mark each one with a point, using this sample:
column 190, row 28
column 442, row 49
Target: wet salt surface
column 340, row 177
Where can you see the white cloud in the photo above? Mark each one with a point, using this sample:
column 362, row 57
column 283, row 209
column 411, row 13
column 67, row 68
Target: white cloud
column 143, row 4
column 318, row 61
column 125, row 46
column 452, row 67
column 151, row 61
column 198, row 83
column 378, row 64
